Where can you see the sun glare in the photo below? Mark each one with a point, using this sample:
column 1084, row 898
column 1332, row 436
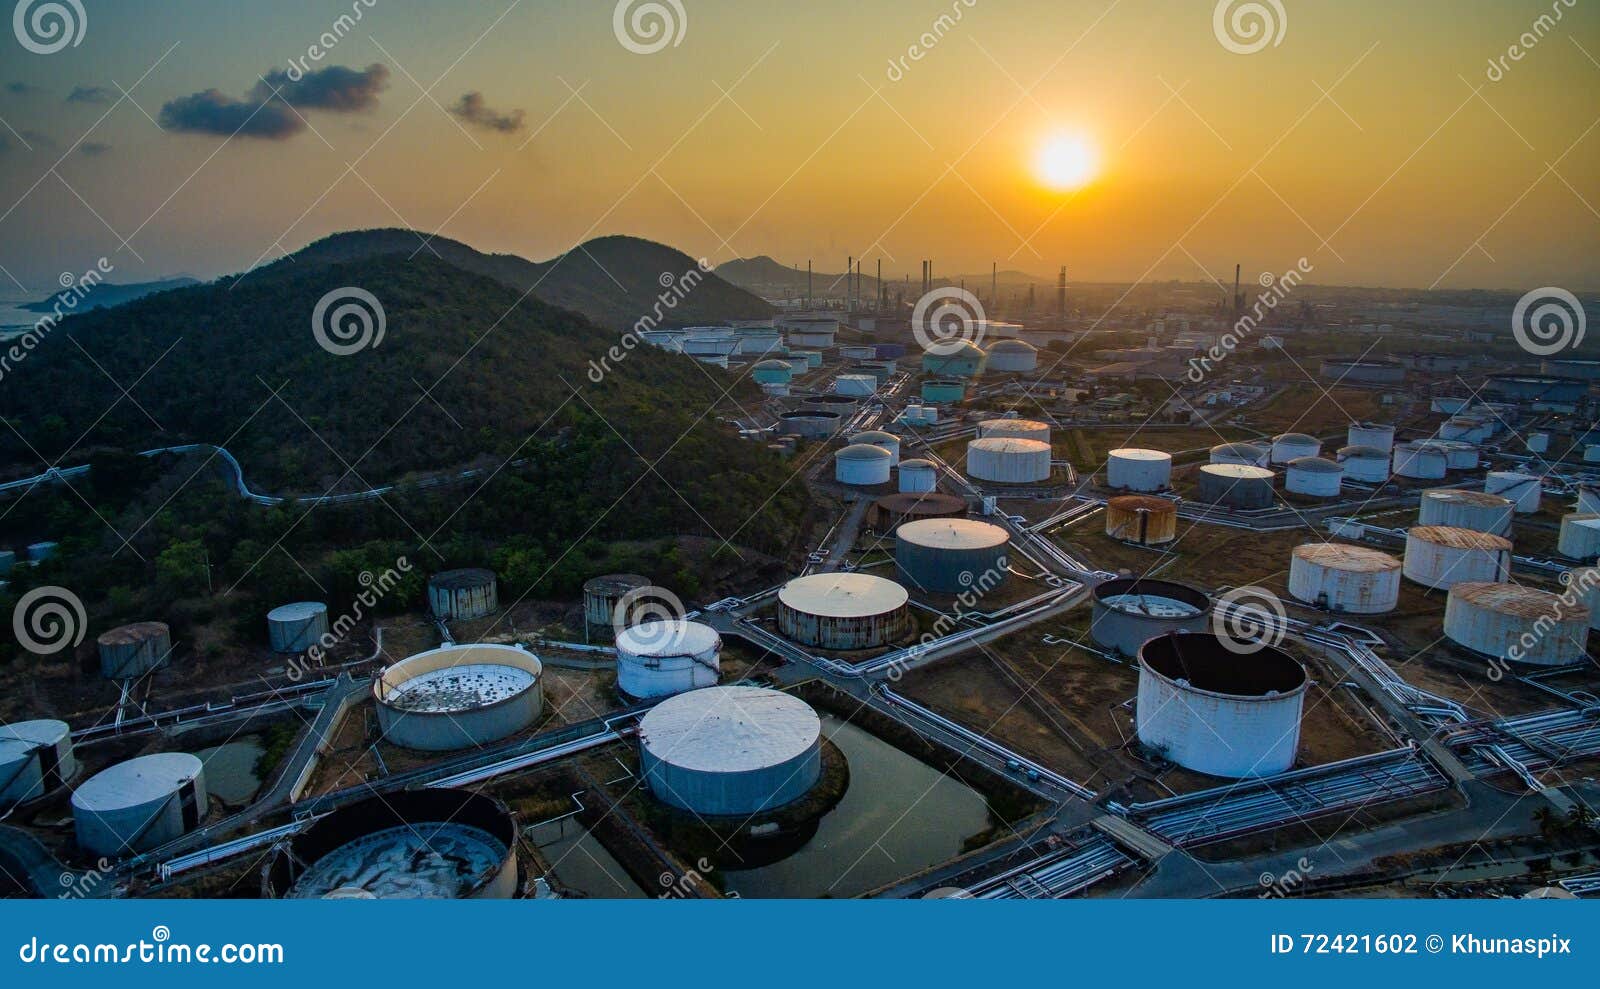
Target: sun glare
column 1065, row 162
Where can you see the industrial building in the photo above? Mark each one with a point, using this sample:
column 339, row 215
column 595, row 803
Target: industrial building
column 844, row 611
column 1466, row 510
column 1008, row 461
column 1133, row 469
column 877, row 437
column 1209, row 707
column 1374, row 434
column 1518, row 624
column 889, row 511
column 862, row 465
column 1535, row 388
column 1440, row 556
column 36, row 760
column 459, row 696
column 1313, row 477
column 463, row 594
column 1022, row 429
column 1365, row 464
column 1421, row 461
column 1142, row 520
column 427, row 843
column 1293, row 446
column 131, row 651
column 733, row 750
column 1247, row 454
column 137, row 805
column 947, row 556
column 1129, row 610
column 662, row 658
column 294, row 628
column 918, row 476
column 1345, row 579
column 1524, row 490
column 1236, row 485
column 1013, row 357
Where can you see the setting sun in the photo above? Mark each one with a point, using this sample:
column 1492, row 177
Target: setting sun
column 1065, row 162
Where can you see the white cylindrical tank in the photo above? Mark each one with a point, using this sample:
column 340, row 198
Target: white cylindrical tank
column 1314, row 477
column 1013, row 357
column 459, row 696
column 877, row 437
column 1243, row 454
column 1517, row 624
column 131, row 651
column 662, row 658
column 734, row 750
column 36, row 760
column 601, row 595
column 862, row 464
column 137, row 805
column 1466, row 510
column 1440, row 556
column 463, row 594
column 1523, row 489
column 1580, row 537
column 1351, row 579
column 1022, row 429
column 918, row 476
column 1459, row 454
column 296, row 627
column 947, row 556
column 1584, row 585
column 855, row 385
column 1374, row 434
column 1215, row 709
column 1588, row 500
column 1009, row 461
column 1293, row 446
column 1367, row 464
column 857, row 352
column 1132, row 469
column 1420, row 461
column 844, row 611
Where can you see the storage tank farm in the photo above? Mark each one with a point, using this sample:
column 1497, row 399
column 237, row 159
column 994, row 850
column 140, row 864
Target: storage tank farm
column 667, row 656
column 948, row 556
column 294, row 628
column 423, row 843
column 1129, row 610
column 1440, row 556
column 459, row 696
column 1008, row 461
column 1133, row 469
column 463, row 594
column 136, row 805
column 844, row 611
column 1466, row 510
column 1236, row 486
column 1142, row 519
column 1521, row 625
column 1206, row 705
column 734, row 750
column 132, row 651
column 1346, row 579
column 36, row 760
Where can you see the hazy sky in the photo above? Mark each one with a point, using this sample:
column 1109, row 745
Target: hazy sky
column 780, row 128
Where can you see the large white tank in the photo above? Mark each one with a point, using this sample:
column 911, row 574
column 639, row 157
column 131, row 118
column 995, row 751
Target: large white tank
column 1013, row 357
column 733, row 750
column 1133, row 469
column 947, row 556
column 137, row 805
column 1236, row 485
column 1216, row 710
column 1022, row 429
column 1314, row 477
column 1440, row 556
column 1351, row 579
column 131, row 651
column 1244, row 454
column 918, row 476
column 1523, row 489
column 662, row 658
column 1009, row 461
column 862, row 464
column 1518, row 624
column 1466, row 510
column 1293, row 446
column 296, row 627
column 1420, row 461
column 877, row 437
column 855, row 385
column 36, row 760
column 1580, row 537
column 1367, row 464
column 459, row 696
column 844, row 611
column 1374, row 434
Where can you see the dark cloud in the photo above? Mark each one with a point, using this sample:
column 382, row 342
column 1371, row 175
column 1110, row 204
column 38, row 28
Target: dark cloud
column 93, row 149
column 27, row 140
column 89, row 94
column 20, row 88
column 269, row 111
column 473, row 110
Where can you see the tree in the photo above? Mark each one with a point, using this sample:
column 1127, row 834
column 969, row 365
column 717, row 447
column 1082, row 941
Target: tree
column 182, row 568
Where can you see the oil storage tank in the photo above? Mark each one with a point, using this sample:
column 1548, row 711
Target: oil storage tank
column 1466, row 510
column 1293, row 446
column 1584, row 585
column 1013, row 357
column 1236, row 485
column 1373, row 434
column 862, row 464
column 1518, row 624
column 918, row 476
column 954, row 359
column 602, row 594
column 877, row 437
column 1008, row 461
column 1421, row 461
column 1133, row 469
column 889, row 511
column 420, row 844
column 1356, row 580
column 1248, row 454
column 773, row 372
column 1580, row 537
column 733, row 750
column 1207, row 707
column 1129, row 610
column 459, row 696
column 855, row 385
column 943, row 391
column 662, row 658
column 1022, row 429
column 1459, row 454
column 296, row 627
column 137, row 805
column 36, row 760
column 1524, row 490
column 813, row 424
column 948, row 556
column 843, row 611
column 1314, row 477
column 1142, row 519
column 1442, row 556
column 463, row 594
column 131, row 651
column 1366, row 464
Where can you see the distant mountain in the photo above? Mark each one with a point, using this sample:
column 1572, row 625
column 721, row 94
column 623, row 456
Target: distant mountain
column 108, row 294
column 771, row 279
column 614, row 281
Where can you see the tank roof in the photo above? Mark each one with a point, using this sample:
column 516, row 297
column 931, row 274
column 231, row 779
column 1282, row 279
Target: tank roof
column 843, row 595
column 296, row 611
column 1518, row 601
column 464, row 577
column 1239, row 472
column 922, row 502
column 615, row 583
column 25, row 736
column 1315, row 465
column 1448, row 535
column 953, row 534
column 771, row 366
column 1241, row 448
column 863, row 451
column 1137, row 453
column 136, row 782
column 873, row 436
column 1295, row 438
column 730, row 729
column 1009, row 444
column 1360, row 450
column 1205, row 662
column 1142, row 503
column 1458, row 497
column 1014, row 345
column 1339, row 556
column 136, row 632
column 674, row 637
column 917, row 463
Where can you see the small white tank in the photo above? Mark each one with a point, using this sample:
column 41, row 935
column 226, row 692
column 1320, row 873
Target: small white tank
column 1580, row 537
column 1133, row 469
column 918, row 476
column 1588, row 500
column 1009, row 461
column 1293, row 446
column 1440, row 556
column 36, row 759
column 1523, row 489
column 862, row 464
column 1314, row 477
column 293, row 628
column 1366, row 464
column 855, row 385
column 877, row 437
column 1373, row 434
column 1459, row 454
column 1421, row 461
column 662, row 658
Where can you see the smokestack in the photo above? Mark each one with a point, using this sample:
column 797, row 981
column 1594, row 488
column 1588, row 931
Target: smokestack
column 849, row 287
column 994, row 283
column 1061, row 296
column 808, row 284
column 1238, row 299
column 880, row 285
